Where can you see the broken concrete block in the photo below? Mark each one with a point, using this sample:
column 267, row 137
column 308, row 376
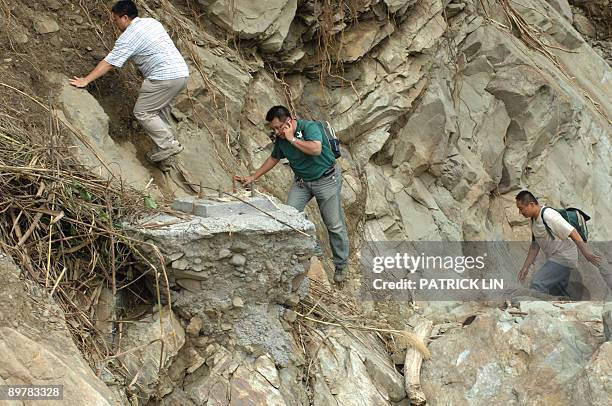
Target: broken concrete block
column 210, row 208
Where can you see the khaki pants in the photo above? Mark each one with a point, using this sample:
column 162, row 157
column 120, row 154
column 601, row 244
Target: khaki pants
column 152, row 109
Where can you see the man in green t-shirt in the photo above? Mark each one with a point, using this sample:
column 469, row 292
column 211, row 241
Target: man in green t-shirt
column 307, row 149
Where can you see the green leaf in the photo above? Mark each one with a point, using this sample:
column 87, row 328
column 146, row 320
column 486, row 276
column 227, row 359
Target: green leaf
column 150, row 202
column 102, row 215
column 85, row 195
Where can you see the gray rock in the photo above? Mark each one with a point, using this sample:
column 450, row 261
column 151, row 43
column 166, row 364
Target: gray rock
column 584, row 26
column 245, row 386
column 178, row 398
column 267, row 23
column 607, row 321
column 175, row 256
column 395, row 5
column 594, row 382
column 238, row 260
column 81, row 110
column 21, row 38
column 563, row 8
column 211, row 208
column 292, row 299
column 45, row 25
column 194, row 327
column 33, row 348
column 265, row 366
column 53, row 4
column 180, row 264
column 224, row 253
column 290, row 316
column 354, row 371
column 143, row 364
column 240, row 247
column 237, row 302
column 192, row 285
column 483, row 354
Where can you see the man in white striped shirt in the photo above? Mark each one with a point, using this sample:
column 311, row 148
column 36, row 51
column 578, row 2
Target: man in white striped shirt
column 148, row 44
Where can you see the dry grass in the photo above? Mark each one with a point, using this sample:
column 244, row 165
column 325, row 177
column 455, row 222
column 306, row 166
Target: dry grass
column 62, row 224
column 322, row 309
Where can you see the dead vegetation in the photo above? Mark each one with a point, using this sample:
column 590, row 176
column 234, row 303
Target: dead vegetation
column 62, row 224
column 323, row 309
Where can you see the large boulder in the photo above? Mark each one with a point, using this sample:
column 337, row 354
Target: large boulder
column 352, row 369
column 493, row 359
column 225, row 268
column 224, row 378
column 150, row 346
column 89, row 124
column 267, row 22
column 36, row 346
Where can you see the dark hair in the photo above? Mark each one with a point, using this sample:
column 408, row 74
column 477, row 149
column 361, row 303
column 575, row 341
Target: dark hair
column 280, row 112
column 526, row 197
column 125, row 8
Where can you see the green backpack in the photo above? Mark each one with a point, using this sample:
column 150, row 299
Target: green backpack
column 576, row 217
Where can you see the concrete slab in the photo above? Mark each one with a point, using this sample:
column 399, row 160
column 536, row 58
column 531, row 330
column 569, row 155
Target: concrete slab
column 220, row 209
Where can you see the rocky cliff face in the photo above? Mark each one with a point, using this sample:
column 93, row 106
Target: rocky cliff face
column 445, row 109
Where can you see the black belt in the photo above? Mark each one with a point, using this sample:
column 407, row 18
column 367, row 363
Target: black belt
column 328, row 172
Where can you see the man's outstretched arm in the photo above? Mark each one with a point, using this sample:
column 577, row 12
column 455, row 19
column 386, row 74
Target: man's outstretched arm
column 263, row 169
column 534, row 249
column 592, row 258
column 101, row 69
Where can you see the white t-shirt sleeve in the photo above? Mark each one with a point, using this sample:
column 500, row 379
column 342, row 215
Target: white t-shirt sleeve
column 122, row 51
column 558, row 225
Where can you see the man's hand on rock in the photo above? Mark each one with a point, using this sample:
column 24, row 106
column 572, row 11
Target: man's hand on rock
column 78, row 82
column 246, row 180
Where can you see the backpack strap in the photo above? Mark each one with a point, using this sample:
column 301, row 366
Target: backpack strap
column 546, row 225
column 327, row 128
column 324, row 131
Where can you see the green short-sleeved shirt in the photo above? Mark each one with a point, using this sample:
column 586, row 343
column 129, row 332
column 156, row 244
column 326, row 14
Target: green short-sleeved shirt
column 307, row 167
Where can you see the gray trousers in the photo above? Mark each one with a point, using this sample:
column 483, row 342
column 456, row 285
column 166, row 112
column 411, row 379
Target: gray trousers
column 152, row 109
column 327, row 193
column 552, row 279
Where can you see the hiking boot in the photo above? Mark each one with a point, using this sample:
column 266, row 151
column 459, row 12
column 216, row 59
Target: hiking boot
column 165, row 165
column 165, row 153
column 340, row 275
